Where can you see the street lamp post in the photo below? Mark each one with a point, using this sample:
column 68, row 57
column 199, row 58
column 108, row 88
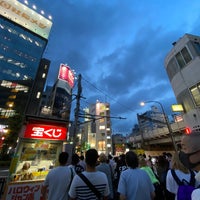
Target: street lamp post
column 166, row 121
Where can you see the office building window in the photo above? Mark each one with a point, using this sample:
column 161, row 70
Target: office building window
column 183, row 57
column 197, row 47
column 195, row 91
column 38, row 95
column 186, row 55
column 43, row 75
column 102, row 127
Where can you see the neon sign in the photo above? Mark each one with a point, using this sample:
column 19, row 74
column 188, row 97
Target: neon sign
column 66, row 74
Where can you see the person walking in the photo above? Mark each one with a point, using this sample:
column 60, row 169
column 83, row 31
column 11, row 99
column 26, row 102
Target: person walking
column 57, row 181
column 134, row 183
column 82, row 162
column 106, row 168
column 181, row 172
column 190, row 157
column 158, row 189
column 80, row 190
column 76, row 167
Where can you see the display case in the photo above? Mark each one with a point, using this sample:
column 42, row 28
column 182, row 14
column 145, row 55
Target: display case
column 39, row 155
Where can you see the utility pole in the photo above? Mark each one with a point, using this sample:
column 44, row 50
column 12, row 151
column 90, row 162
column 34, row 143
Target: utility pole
column 76, row 113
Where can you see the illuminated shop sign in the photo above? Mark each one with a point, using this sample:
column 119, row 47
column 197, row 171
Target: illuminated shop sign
column 177, row 108
column 66, row 74
column 38, row 131
column 26, row 17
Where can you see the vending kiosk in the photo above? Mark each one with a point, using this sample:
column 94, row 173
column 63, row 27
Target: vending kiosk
column 40, row 143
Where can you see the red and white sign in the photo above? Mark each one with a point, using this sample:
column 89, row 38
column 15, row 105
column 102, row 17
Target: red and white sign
column 24, row 191
column 66, row 74
column 39, row 131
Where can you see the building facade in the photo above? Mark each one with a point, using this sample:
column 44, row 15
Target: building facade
column 56, row 100
column 182, row 66
column 151, row 119
column 98, row 127
column 23, row 39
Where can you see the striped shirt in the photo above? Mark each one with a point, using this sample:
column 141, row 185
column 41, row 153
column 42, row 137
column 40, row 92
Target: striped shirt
column 81, row 191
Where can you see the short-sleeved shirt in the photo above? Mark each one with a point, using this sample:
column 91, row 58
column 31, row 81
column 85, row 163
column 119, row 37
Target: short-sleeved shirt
column 196, row 194
column 58, row 180
column 171, row 184
column 135, row 184
column 81, row 191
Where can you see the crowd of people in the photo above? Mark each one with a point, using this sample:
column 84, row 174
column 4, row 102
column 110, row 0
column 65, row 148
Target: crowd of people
column 128, row 176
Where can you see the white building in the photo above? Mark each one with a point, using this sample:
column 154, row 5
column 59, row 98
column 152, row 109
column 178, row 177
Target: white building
column 183, row 67
column 101, row 127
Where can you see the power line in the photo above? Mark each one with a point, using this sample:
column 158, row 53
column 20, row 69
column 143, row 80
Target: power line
column 100, row 90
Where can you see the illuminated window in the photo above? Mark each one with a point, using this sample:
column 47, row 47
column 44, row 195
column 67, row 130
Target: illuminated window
column 12, row 97
column 195, row 91
column 101, row 145
column 38, row 95
column 102, row 127
column 108, row 145
column 43, row 75
column 102, row 120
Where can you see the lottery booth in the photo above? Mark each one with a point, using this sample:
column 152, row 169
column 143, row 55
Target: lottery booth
column 40, row 143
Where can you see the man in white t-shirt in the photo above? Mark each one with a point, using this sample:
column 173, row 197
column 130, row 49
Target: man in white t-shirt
column 190, row 156
column 58, row 180
column 79, row 190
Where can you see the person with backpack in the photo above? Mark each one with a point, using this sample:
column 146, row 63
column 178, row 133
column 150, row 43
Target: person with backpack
column 159, row 192
column 190, row 157
column 180, row 181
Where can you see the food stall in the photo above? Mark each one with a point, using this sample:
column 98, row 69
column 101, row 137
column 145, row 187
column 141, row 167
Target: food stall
column 40, row 144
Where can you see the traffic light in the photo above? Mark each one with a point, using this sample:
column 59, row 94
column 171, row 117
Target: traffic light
column 187, row 130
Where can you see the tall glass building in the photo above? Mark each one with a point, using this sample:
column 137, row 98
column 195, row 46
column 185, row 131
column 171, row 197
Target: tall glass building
column 23, row 39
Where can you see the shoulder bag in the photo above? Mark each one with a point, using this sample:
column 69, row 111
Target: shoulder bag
column 89, row 184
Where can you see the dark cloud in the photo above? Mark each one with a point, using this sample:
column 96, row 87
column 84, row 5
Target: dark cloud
column 119, row 47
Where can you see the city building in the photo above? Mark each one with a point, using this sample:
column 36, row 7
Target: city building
column 23, row 39
column 37, row 89
column 182, row 66
column 151, row 119
column 97, row 131
column 56, row 101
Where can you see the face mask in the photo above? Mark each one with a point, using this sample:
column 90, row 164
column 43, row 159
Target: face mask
column 185, row 159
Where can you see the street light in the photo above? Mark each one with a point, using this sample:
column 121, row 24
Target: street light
column 166, row 121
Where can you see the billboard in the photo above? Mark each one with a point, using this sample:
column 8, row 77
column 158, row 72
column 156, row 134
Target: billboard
column 26, row 17
column 50, row 132
column 66, row 74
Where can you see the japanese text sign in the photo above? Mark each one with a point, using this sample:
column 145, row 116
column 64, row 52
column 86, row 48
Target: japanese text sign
column 38, row 131
column 24, row 191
